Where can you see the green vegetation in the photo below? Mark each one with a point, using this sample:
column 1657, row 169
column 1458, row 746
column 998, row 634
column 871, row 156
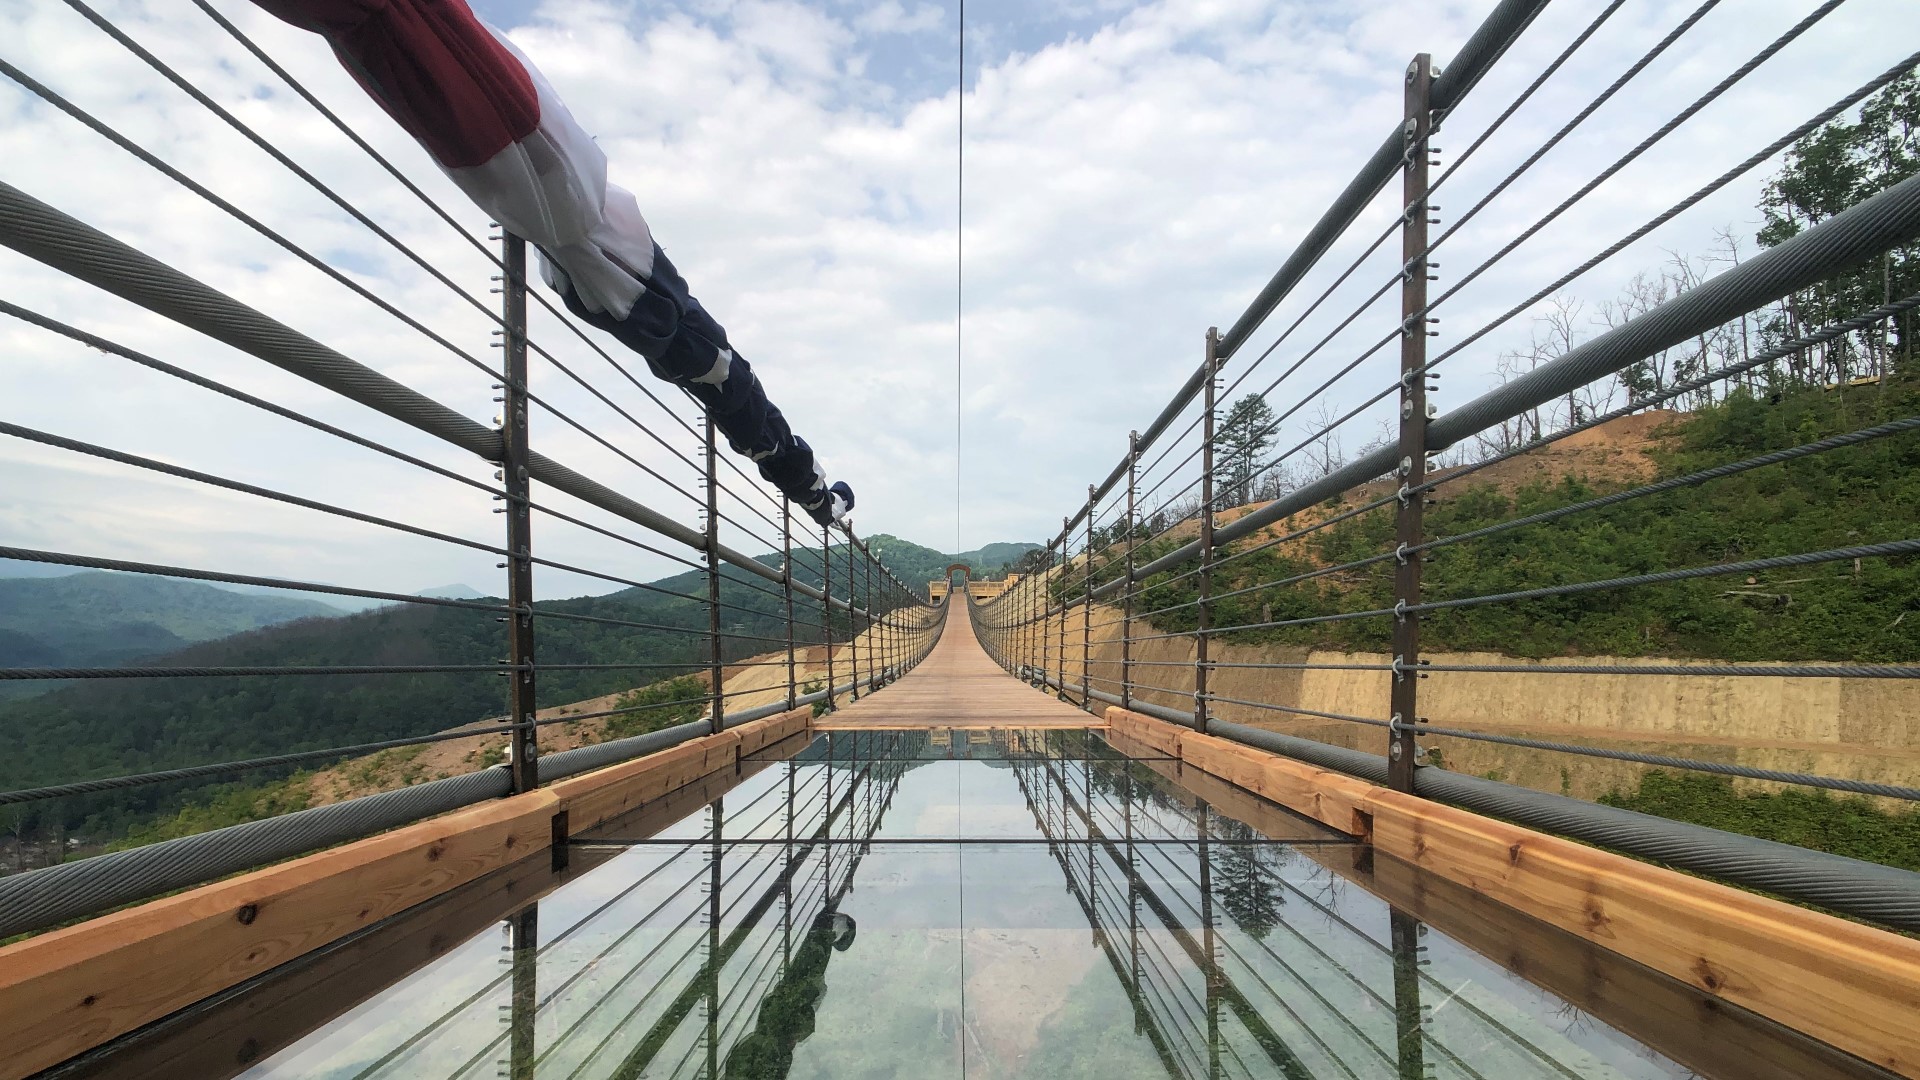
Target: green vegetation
column 229, row 804
column 1810, row 818
column 1863, row 611
column 99, row 618
column 675, row 701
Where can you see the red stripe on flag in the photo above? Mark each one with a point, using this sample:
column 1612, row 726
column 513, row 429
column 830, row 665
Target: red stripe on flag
column 432, row 66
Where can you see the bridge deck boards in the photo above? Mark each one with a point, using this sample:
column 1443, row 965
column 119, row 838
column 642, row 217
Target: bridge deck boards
column 958, row 685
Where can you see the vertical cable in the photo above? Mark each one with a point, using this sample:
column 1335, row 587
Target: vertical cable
column 959, row 262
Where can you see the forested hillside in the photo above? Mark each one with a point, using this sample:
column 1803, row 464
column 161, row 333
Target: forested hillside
column 98, row 619
column 115, row 726
column 1864, row 610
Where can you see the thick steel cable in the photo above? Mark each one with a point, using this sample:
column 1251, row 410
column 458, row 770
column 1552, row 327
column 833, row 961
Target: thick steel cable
column 1625, row 159
column 1513, row 106
column 192, row 671
column 39, row 231
column 41, row 898
column 194, row 772
column 1684, row 387
column 1488, row 43
column 64, row 559
column 642, row 545
column 1866, row 890
column 94, row 341
column 1693, row 479
column 441, row 212
column 112, row 135
column 1390, row 231
column 1579, row 118
column 1689, row 480
column 1778, row 776
column 1810, row 558
column 1680, row 207
column 1880, row 222
column 153, row 161
column 136, row 461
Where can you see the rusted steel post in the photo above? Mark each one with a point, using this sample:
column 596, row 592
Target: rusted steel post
column 1402, row 747
column 786, row 592
column 826, row 606
column 853, row 619
column 523, row 947
column 1204, row 609
column 523, row 742
column 1086, row 596
column 714, row 653
column 1126, row 618
column 1066, row 531
column 877, row 632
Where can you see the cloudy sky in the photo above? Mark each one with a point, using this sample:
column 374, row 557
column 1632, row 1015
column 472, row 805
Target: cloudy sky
column 1133, row 174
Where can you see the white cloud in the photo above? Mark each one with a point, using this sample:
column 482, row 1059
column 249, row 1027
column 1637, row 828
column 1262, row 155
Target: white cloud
column 1126, row 188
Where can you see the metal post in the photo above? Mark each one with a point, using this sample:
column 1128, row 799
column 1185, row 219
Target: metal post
column 712, row 972
column 1409, row 1019
column 1086, row 625
column 1208, row 943
column 1204, row 609
column 523, row 943
column 786, row 592
column 1133, row 898
column 826, row 605
column 1133, row 539
column 522, row 707
column 1404, row 702
column 853, row 624
column 713, row 583
column 872, row 667
column 1065, row 532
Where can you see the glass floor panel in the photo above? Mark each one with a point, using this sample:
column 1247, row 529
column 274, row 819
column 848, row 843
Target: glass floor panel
column 965, row 904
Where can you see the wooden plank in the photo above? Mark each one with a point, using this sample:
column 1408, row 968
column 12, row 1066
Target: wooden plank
column 594, row 797
column 1271, row 820
column 1853, row 986
column 300, row 997
column 70, row 990
column 1690, row 1026
column 67, row 991
column 1848, row 984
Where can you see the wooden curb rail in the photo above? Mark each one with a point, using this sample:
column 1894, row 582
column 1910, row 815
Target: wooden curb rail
column 69, row 990
column 1853, row 986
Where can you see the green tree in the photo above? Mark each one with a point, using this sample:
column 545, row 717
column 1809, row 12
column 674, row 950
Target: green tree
column 1245, row 433
column 1826, row 172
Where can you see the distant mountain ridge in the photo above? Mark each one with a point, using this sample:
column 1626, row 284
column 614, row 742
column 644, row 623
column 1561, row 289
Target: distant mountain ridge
column 105, row 727
column 99, row 618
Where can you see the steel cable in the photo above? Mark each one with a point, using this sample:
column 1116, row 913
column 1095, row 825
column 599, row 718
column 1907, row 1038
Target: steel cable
column 1625, row 159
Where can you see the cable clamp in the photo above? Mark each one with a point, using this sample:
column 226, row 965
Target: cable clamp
column 1400, row 556
column 1399, row 615
column 1403, row 493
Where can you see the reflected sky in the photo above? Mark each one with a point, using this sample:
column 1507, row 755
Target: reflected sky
column 975, row 904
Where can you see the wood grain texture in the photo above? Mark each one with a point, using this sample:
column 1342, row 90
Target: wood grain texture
column 72, row 989
column 1853, row 986
column 958, row 685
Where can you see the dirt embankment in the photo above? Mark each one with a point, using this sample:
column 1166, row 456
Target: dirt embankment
column 1859, row 728
column 754, row 681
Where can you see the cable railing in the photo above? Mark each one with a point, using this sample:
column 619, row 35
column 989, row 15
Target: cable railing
column 1663, row 586
column 701, row 635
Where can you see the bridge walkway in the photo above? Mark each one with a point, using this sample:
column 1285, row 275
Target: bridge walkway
column 958, row 686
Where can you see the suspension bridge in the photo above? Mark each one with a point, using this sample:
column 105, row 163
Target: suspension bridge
column 1090, row 819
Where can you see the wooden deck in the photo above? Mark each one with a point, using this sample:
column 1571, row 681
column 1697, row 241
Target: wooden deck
column 958, row 686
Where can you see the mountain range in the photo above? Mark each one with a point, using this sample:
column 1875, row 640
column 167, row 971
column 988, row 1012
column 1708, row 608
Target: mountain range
column 103, row 727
